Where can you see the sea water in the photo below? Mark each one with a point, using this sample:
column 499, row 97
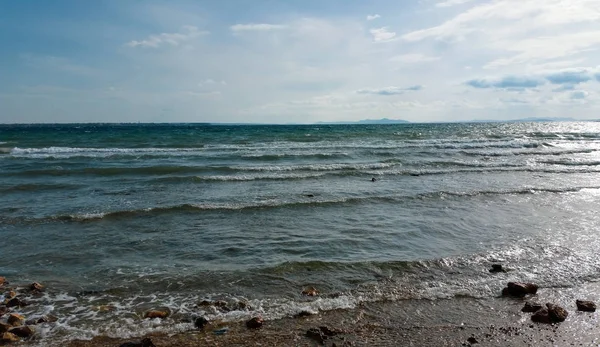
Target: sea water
column 117, row 219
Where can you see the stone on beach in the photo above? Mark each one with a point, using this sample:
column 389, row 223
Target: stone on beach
column 200, row 322
column 497, row 268
column 4, row 327
column 15, row 319
column 35, row 286
column 15, row 302
column 519, row 289
column 22, row 331
column 551, row 314
column 531, row 307
column 8, row 337
column 3, row 310
column 587, row 306
column 255, row 323
column 146, row 342
column 3, row 281
column 310, row 291
column 156, row 314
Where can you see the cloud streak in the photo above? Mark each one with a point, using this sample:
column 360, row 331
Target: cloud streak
column 387, row 91
column 256, row 27
column 382, row 34
column 173, row 39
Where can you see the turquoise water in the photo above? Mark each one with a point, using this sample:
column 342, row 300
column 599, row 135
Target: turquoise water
column 142, row 216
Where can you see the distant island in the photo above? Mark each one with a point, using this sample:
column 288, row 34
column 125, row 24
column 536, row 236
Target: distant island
column 370, row 121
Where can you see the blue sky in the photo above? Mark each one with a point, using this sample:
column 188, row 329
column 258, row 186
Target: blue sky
column 298, row 61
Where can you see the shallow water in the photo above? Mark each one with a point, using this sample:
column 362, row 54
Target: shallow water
column 143, row 216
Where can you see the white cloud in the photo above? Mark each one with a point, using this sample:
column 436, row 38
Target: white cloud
column 449, row 3
column 256, row 27
column 382, row 34
column 413, row 58
column 373, row 16
column 173, row 39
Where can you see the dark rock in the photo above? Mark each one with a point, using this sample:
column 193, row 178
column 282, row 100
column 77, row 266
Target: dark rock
column 310, row 195
column 15, row 302
column 328, row 332
column 310, row 291
column 3, row 310
column 200, row 322
column 541, row 316
column 303, row 313
column 8, row 337
column 156, row 314
column 35, row 286
column 497, row 268
column 472, row 340
column 255, row 323
column 4, row 327
column 519, row 289
column 587, row 306
column 373, row 179
column 144, row 343
column 531, row 307
column 15, row 319
column 557, row 313
column 242, row 306
column 22, row 331
column 415, row 174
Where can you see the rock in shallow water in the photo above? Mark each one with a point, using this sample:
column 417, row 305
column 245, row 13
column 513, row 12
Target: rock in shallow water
column 310, row 291
column 255, row 323
column 35, row 286
column 22, row 331
column 200, row 322
column 15, row 302
column 8, row 337
column 156, row 314
column 551, row 314
column 15, row 319
column 587, row 306
column 531, row 307
column 519, row 289
column 497, row 268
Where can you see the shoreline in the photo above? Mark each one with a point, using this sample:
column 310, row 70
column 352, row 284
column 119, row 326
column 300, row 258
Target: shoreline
column 444, row 322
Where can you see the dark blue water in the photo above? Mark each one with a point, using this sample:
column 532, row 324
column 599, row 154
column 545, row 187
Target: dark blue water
column 147, row 216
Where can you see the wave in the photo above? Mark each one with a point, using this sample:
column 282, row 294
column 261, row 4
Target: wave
column 299, row 201
column 33, row 187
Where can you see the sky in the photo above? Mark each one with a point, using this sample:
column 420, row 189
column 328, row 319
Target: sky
column 298, row 61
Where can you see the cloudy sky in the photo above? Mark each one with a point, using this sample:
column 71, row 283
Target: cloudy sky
column 298, row 60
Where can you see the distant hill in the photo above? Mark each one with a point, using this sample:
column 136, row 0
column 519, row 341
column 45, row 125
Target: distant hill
column 370, row 121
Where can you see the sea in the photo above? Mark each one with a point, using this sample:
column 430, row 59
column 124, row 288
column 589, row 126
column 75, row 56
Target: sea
column 118, row 219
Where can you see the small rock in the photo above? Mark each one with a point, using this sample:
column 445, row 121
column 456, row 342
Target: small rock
column 11, row 294
column 303, row 313
column 557, row 313
column 472, row 340
column 15, row 319
column 519, row 289
column 415, row 174
column 35, row 286
column 531, row 307
column 200, row 322
column 144, row 343
column 3, row 281
column 15, row 302
column 255, row 323
column 156, row 314
column 329, row 332
column 3, row 310
column 373, row 179
column 541, row 316
column 587, row 306
column 497, row 268
column 8, row 337
column 22, row 331
column 310, row 195
column 310, row 291
column 4, row 327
